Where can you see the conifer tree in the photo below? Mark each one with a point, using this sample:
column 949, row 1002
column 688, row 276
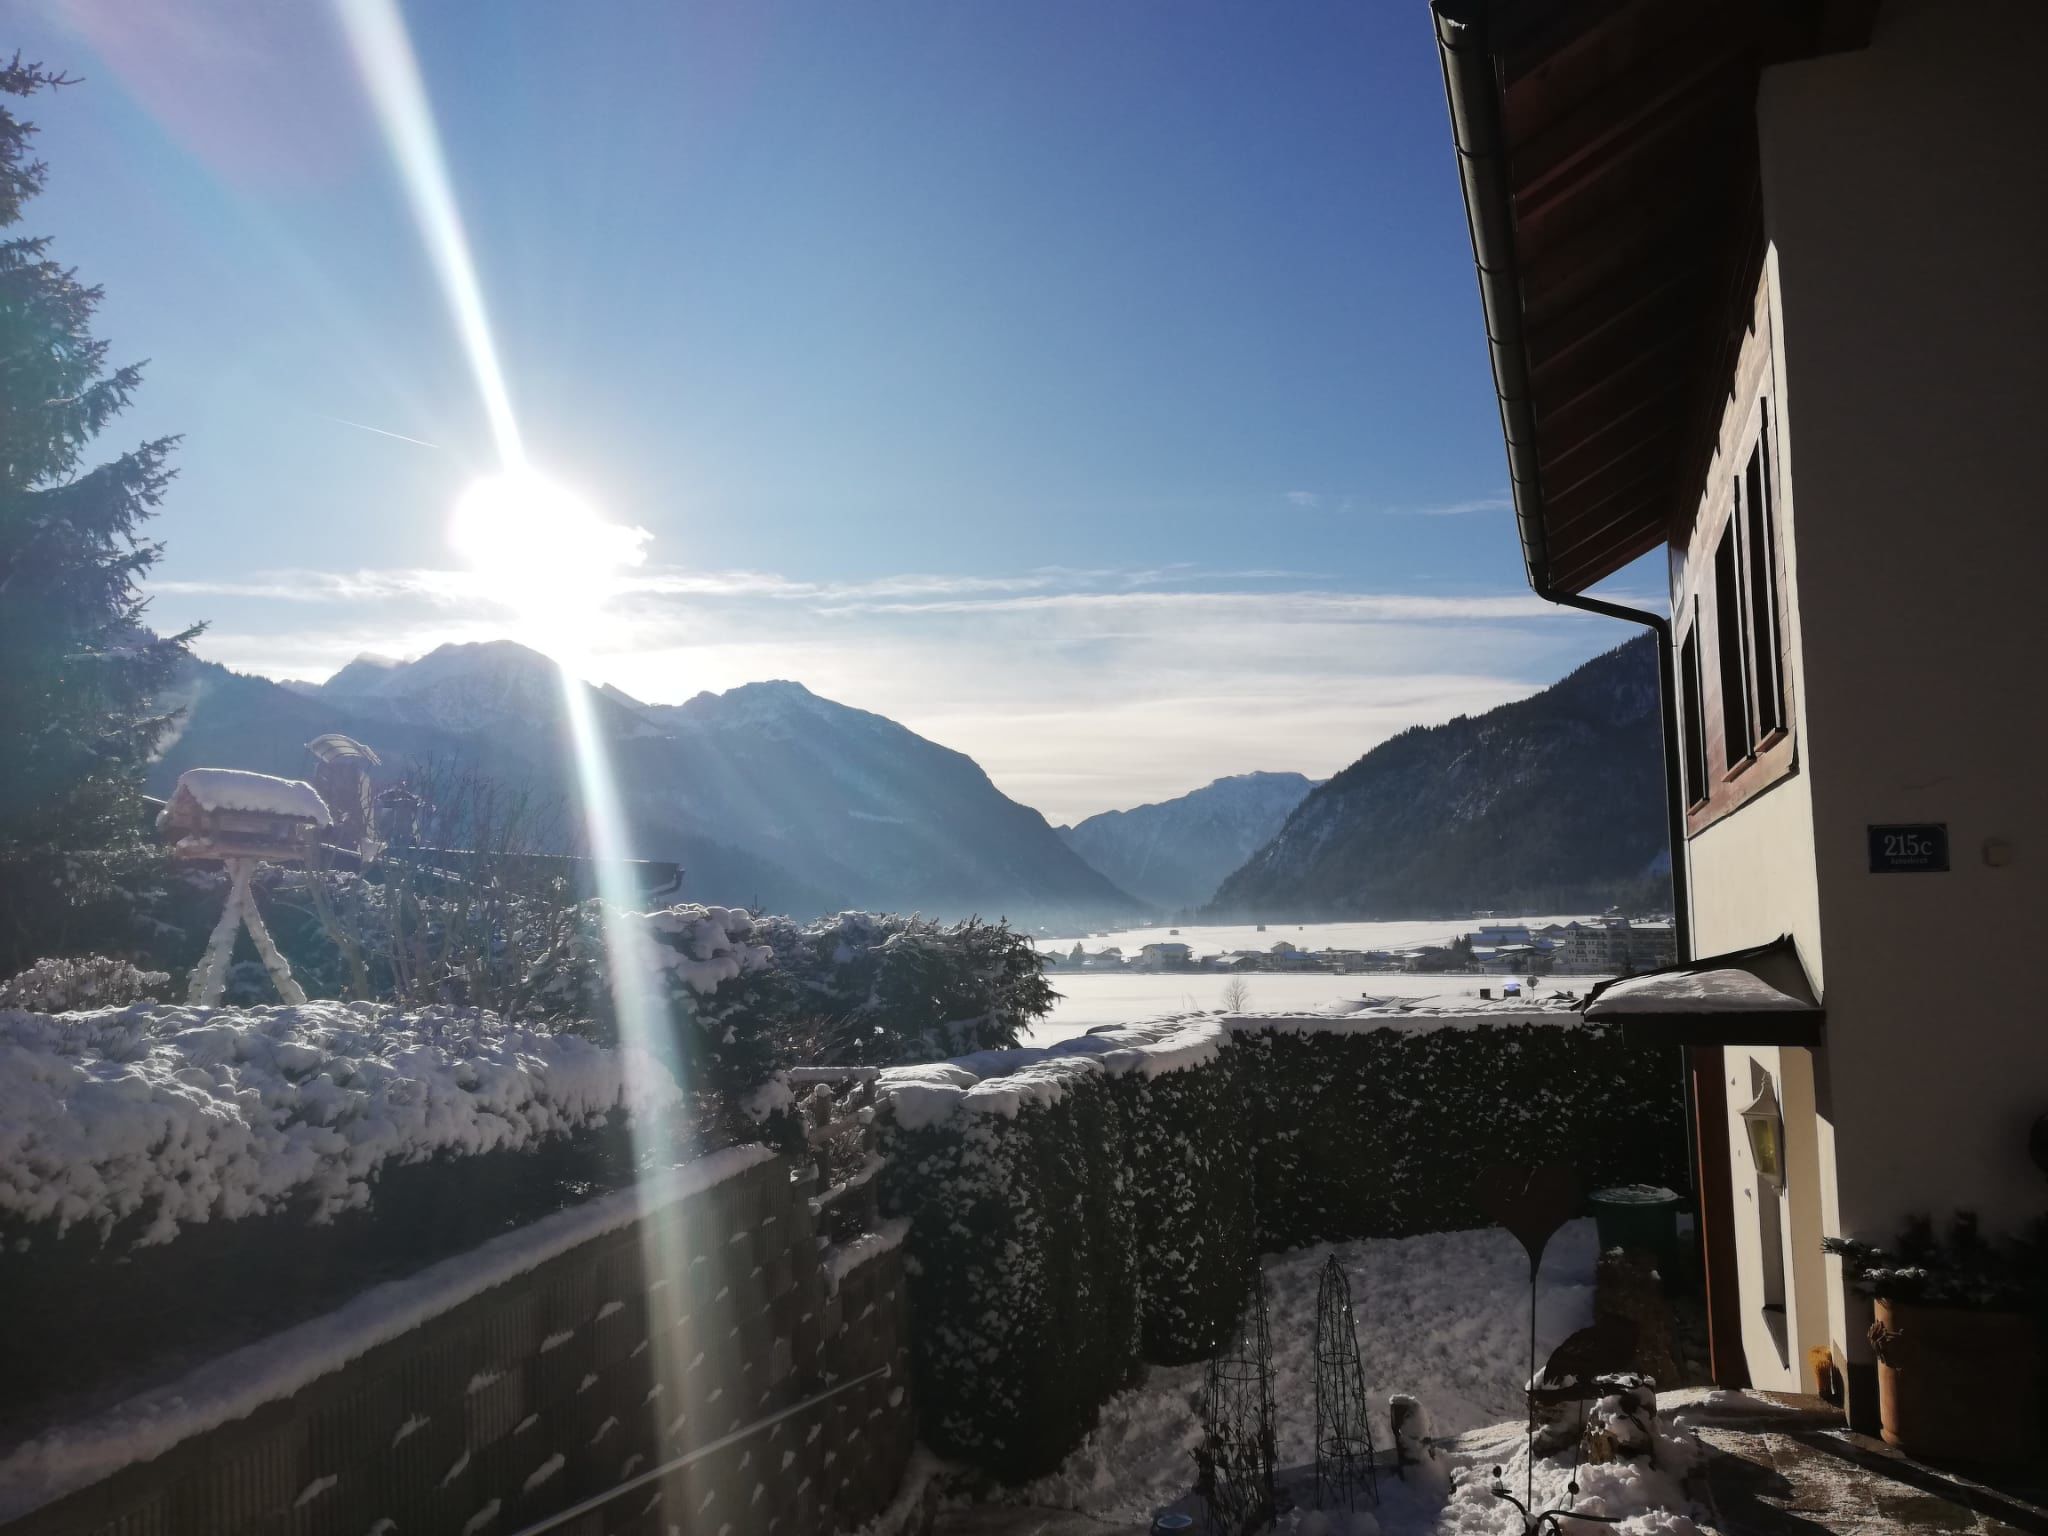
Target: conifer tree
column 79, row 669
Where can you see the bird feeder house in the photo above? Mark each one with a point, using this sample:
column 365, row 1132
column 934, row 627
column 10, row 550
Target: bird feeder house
column 226, row 813
column 242, row 819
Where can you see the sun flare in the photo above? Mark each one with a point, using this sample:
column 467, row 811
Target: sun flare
column 542, row 550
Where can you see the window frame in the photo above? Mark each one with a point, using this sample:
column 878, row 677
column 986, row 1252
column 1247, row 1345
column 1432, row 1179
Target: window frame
column 1736, row 640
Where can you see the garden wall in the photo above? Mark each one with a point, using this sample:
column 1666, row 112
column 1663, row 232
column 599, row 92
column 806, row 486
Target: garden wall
column 690, row 1325
column 1081, row 1210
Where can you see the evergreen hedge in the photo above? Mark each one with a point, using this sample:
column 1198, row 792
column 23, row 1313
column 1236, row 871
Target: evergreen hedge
column 1080, row 1211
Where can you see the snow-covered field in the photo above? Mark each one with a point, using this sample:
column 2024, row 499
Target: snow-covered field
column 1221, row 938
column 1443, row 1318
column 1125, row 997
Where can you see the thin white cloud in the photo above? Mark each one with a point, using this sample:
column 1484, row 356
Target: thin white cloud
column 1500, row 502
column 1305, row 498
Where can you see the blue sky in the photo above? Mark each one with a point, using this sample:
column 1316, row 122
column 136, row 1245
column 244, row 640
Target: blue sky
column 1095, row 387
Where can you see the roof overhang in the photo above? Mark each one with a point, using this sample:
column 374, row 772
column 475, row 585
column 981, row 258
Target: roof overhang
column 1607, row 153
column 1759, row 996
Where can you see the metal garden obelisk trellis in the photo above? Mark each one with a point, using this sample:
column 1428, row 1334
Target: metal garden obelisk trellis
column 1346, row 1477
column 1234, row 1463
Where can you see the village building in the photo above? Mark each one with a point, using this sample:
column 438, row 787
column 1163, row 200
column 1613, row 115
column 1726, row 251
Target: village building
column 1763, row 291
column 1172, row 956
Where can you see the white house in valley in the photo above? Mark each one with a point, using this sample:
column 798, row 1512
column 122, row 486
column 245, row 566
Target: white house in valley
column 1764, row 290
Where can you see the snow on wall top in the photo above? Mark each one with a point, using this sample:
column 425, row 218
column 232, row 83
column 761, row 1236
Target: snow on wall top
column 197, row 1114
column 1416, row 1015
column 237, row 789
column 232, row 1386
column 1003, row 1082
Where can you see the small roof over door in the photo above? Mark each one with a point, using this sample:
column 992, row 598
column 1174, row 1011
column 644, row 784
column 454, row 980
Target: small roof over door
column 1759, row 996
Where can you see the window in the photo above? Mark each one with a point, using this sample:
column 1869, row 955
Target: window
column 1731, row 640
column 1694, row 691
column 1766, row 658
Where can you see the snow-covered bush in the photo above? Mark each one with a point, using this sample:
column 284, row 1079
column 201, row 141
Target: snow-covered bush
column 874, row 989
column 687, row 983
column 96, row 981
column 159, row 1116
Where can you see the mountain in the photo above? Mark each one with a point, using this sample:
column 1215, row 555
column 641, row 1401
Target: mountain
column 766, row 793
column 1174, row 853
column 1551, row 804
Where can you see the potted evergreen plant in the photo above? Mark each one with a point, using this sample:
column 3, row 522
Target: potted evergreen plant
column 1957, row 1338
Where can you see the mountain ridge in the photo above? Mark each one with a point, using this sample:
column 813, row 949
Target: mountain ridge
column 766, row 792
column 1551, row 803
column 1174, row 853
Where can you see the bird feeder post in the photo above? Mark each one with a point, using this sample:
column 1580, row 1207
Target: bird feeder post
column 242, row 819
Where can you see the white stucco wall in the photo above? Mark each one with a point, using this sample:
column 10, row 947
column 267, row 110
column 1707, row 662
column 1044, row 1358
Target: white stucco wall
column 1903, row 194
column 1902, row 189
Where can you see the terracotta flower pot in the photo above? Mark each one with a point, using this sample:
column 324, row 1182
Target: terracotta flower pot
column 1956, row 1385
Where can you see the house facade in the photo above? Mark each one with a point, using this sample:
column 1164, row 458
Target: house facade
column 1764, row 289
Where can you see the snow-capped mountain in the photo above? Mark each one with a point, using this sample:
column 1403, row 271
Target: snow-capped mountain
column 1174, row 853
column 765, row 793
column 1554, row 803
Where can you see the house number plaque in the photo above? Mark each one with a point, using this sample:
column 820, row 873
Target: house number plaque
column 1918, row 849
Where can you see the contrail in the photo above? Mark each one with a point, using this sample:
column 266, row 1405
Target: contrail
column 343, row 421
column 366, row 427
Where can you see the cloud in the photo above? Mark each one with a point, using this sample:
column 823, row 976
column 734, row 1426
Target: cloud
column 1500, row 502
column 1078, row 690
column 1305, row 498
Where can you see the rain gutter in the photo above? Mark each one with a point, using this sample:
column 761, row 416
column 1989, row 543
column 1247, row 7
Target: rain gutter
column 1472, row 93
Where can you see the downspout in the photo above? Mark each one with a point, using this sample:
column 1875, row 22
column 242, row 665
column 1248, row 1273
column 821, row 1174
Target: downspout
column 1472, row 93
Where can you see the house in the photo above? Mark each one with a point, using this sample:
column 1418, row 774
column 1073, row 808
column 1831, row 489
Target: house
column 1167, row 957
column 1762, row 286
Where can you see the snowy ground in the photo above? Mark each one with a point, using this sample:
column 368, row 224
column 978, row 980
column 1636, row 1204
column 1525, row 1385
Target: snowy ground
column 1125, row 997
column 1443, row 1318
column 1220, row 938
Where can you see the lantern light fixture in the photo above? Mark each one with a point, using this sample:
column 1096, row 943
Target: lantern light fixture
column 1765, row 1124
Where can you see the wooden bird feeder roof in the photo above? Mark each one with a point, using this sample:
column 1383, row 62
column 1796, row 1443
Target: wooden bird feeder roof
column 230, row 813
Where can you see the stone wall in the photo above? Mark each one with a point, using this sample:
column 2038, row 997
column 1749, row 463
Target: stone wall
column 703, row 1367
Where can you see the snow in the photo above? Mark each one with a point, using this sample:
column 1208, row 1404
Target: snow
column 1727, row 990
column 64, row 1459
column 1443, row 1317
column 699, row 946
column 195, row 1114
column 1091, row 998
column 237, row 789
column 1222, row 938
column 1003, row 1082
column 844, row 1259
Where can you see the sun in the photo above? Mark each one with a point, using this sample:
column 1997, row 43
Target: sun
column 543, row 551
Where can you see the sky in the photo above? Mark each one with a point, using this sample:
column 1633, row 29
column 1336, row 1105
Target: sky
column 1099, row 389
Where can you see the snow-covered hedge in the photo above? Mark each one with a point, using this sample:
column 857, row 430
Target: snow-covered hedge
column 159, row 1116
column 1074, row 1211
column 1079, row 1208
column 1378, row 1124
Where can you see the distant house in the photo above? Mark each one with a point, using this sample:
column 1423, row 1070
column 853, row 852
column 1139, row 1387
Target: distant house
column 1167, row 957
column 1762, row 291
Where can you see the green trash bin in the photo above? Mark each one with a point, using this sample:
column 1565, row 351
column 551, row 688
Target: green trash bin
column 1641, row 1217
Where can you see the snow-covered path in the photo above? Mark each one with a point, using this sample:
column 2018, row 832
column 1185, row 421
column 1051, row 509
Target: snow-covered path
column 1443, row 1317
